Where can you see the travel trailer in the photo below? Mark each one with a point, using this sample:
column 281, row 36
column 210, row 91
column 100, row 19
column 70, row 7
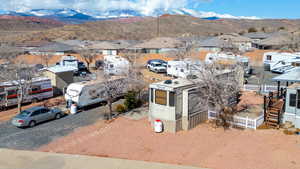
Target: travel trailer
column 184, row 68
column 271, row 58
column 229, row 58
column 116, row 65
column 39, row 89
column 92, row 92
column 285, row 66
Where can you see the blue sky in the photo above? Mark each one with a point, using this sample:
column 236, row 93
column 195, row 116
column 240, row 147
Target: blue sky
column 259, row 8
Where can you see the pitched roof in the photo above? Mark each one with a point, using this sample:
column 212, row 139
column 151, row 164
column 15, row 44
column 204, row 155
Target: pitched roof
column 257, row 35
column 158, row 43
column 277, row 39
column 55, row 47
column 234, row 37
column 215, row 42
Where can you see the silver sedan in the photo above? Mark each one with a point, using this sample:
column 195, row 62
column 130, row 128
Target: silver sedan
column 32, row 116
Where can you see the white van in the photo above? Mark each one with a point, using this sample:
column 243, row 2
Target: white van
column 92, row 92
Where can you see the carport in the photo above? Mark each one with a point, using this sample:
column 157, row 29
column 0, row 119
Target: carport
column 287, row 78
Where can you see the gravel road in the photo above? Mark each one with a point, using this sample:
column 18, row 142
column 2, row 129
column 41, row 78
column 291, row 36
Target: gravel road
column 32, row 138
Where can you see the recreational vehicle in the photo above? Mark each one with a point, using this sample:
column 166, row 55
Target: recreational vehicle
column 38, row 89
column 116, row 65
column 183, row 69
column 285, row 66
column 229, row 58
column 271, row 58
column 92, row 92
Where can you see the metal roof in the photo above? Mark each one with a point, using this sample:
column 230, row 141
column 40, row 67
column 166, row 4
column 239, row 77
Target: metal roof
column 293, row 76
column 55, row 47
column 60, row 69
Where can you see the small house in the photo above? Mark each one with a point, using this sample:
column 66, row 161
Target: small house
column 61, row 77
column 176, row 104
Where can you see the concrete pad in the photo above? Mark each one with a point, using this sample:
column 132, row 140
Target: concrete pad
column 15, row 159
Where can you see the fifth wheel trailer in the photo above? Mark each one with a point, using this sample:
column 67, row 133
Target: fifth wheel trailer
column 92, row 92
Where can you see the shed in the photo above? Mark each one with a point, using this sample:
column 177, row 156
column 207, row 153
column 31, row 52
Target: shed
column 61, row 77
column 292, row 105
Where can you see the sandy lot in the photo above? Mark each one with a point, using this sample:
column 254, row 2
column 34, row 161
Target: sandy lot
column 203, row 146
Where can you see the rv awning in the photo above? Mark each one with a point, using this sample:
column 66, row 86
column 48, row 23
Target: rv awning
column 293, row 76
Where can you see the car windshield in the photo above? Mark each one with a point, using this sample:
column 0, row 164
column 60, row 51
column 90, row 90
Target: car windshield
column 25, row 113
column 157, row 64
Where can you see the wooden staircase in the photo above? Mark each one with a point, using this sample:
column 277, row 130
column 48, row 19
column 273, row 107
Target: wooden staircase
column 274, row 111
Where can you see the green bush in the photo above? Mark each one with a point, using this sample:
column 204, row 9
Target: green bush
column 252, row 30
column 131, row 101
column 121, row 108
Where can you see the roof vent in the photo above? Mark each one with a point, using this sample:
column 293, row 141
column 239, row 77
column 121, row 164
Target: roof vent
column 168, row 82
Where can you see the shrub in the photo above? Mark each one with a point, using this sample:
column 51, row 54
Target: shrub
column 121, row 108
column 252, row 30
column 131, row 100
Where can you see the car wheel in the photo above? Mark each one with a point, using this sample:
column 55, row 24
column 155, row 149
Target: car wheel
column 58, row 116
column 32, row 124
column 35, row 100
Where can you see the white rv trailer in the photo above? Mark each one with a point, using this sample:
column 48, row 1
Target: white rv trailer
column 215, row 57
column 39, row 89
column 271, row 58
column 92, row 92
column 183, row 68
column 116, row 65
column 286, row 65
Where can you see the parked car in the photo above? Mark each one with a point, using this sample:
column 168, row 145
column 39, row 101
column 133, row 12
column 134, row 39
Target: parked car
column 164, row 63
column 32, row 116
column 157, row 67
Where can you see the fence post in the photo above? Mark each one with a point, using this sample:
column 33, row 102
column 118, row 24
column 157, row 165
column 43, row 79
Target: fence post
column 255, row 120
column 247, row 122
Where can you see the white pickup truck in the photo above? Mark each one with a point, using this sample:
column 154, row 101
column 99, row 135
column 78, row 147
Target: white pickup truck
column 157, row 67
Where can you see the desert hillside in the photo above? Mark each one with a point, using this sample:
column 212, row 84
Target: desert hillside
column 146, row 28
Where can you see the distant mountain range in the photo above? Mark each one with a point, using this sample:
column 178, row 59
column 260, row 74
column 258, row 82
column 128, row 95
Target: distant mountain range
column 81, row 16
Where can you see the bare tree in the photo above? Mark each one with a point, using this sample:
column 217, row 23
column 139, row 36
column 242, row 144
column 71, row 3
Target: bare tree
column 221, row 87
column 88, row 56
column 19, row 75
column 46, row 57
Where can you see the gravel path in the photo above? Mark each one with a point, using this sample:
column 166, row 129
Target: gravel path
column 32, row 138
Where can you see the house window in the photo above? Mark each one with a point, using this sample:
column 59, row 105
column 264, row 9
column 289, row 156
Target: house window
column 151, row 95
column 298, row 99
column 161, row 97
column 172, row 99
column 269, row 57
column 292, row 100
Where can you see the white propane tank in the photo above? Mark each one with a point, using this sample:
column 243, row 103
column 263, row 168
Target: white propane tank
column 73, row 109
column 158, row 126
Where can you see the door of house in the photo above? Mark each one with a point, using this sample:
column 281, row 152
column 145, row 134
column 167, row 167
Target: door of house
column 297, row 103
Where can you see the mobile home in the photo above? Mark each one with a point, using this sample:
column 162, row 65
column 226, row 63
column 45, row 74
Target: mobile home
column 92, row 92
column 39, row 89
column 292, row 105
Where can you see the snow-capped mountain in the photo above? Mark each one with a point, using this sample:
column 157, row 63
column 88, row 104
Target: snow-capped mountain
column 78, row 16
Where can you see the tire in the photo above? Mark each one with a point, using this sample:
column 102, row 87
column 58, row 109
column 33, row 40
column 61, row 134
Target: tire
column 35, row 100
column 32, row 124
column 58, row 116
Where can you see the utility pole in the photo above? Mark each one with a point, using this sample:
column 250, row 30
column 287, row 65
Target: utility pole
column 158, row 25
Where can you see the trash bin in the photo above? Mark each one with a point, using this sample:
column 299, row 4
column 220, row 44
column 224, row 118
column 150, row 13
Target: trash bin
column 73, row 109
column 158, row 126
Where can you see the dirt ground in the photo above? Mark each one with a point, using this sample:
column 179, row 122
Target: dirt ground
column 11, row 112
column 203, row 146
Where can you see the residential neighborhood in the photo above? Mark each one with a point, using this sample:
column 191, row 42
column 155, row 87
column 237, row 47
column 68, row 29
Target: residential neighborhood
column 166, row 89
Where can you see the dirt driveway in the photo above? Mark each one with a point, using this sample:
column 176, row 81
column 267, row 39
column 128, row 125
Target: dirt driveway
column 203, row 146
